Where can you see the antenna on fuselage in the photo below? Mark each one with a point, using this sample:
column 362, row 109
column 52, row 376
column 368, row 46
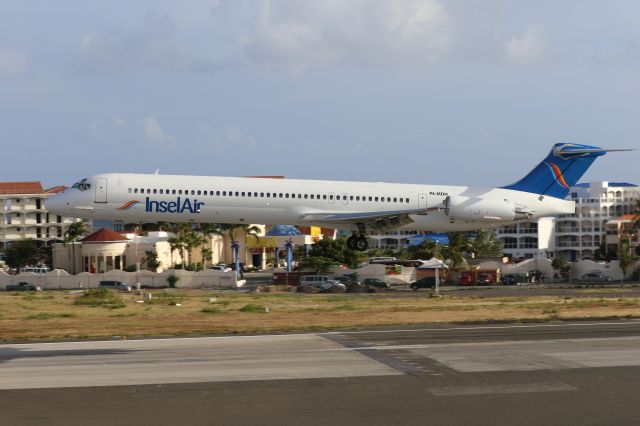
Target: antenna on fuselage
column 157, row 172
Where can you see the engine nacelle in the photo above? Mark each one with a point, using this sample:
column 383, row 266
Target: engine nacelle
column 484, row 210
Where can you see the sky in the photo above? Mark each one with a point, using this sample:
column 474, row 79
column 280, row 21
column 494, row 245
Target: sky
column 465, row 92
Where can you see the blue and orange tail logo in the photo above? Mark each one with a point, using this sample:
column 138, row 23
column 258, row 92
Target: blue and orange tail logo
column 567, row 164
column 557, row 174
column 128, row 205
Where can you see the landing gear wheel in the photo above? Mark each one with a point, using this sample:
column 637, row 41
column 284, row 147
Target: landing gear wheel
column 351, row 242
column 361, row 243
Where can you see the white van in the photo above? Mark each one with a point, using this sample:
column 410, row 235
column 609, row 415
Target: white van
column 322, row 282
column 35, row 269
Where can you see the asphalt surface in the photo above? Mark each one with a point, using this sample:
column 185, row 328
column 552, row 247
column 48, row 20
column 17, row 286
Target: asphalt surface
column 582, row 373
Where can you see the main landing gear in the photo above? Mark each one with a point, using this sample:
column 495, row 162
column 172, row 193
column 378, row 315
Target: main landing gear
column 358, row 241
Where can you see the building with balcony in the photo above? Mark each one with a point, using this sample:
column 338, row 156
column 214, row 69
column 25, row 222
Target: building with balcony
column 23, row 216
column 573, row 236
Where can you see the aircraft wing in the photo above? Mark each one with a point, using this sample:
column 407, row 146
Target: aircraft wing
column 380, row 221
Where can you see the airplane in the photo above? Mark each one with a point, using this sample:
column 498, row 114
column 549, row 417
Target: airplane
column 357, row 206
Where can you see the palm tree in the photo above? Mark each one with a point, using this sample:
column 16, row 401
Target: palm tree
column 175, row 243
column 485, row 244
column 74, row 231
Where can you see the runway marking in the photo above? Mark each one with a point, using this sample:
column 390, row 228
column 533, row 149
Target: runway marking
column 501, row 389
column 488, row 327
column 501, row 343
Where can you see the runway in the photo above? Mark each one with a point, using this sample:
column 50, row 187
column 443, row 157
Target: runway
column 583, row 373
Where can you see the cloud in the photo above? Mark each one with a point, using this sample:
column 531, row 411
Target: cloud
column 106, row 130
column 153, row 132
column 526, row 49
column 151, row 46
column 297, row 35
column 230, row 138
column 13, row 63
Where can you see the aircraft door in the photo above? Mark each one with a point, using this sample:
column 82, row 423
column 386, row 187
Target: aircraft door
column 345, row 198
column 422, row 201
column 101, row 190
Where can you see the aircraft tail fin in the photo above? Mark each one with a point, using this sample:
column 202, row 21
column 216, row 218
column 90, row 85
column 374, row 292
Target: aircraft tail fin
column 563, row 167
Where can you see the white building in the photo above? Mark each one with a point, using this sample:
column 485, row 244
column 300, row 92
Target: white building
column 22, row 214
column 572, row 236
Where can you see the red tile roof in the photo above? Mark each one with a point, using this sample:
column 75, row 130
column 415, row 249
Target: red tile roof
column 627, row 217
column 104, row 235
column 9, row 188
column 56, row 189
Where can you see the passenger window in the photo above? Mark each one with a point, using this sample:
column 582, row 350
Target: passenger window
column 331, row 197
column 193, row 192
column 148, row 190
column 388, row 199
column 395, row 200
column 217, row 192
column 224, row 193
column 155, row 191
column 135, row 190
column 262, row 195
column 286, row 195
column 199, row 192
column 351, row 198
column 357, row 198
column 407, row 200
column 179, row 191
column 248, row 194
column 243, row 194
column 268, row 195
column 299, row 196
column 324, row 197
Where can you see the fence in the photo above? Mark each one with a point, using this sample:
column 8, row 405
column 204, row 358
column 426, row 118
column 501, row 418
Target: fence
column 59, row 279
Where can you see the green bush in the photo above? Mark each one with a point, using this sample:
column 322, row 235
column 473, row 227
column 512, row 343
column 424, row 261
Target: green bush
column 172, row 280
column 252, row 307
column 50, row 315
column 211, row 310
column 100, row 297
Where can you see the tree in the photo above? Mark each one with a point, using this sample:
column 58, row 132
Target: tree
column 337, row 251
column 174, row 244
column 627, row 256
column 74, row 231
column 426, row 250
column 561, row 265
column 151, row 260
column 485, row 244
column 455, row 249
column 22, row 253
column 319, row 264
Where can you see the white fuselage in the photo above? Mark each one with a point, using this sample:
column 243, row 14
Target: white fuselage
column 133, row 198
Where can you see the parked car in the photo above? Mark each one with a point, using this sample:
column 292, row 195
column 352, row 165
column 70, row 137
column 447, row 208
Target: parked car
column 221, row 267
column 596, row 277
column 375, row 282
column 35, row 269
column 465, row 280
column 322, row 282
column 485, row 279
column 426, row 282
column 114, row 285
column 509, row 280
column 23, row 286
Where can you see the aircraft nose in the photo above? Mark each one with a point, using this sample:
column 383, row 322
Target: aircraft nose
column 56, row 204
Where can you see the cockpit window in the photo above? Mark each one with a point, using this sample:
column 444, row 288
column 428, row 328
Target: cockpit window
column 82, row 185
